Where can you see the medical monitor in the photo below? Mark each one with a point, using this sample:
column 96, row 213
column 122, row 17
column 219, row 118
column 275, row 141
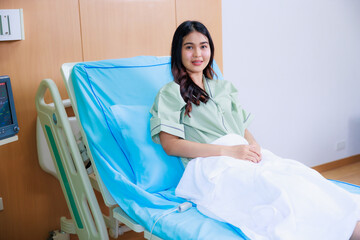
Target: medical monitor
column 8, row 121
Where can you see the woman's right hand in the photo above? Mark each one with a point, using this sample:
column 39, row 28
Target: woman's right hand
column 244, row 152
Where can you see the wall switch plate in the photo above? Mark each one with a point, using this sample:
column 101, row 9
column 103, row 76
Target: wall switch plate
column 1, row 204
column 11, row 25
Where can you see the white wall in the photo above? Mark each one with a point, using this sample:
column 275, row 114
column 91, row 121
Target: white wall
column 297, row 67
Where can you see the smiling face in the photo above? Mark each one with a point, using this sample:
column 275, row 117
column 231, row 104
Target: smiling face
column 195, row 53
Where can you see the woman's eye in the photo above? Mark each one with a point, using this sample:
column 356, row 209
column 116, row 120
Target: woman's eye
column 188, row 47
column 203, row 46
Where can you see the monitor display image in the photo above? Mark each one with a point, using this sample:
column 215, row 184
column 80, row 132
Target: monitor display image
column 8, row 121
column 5, row 112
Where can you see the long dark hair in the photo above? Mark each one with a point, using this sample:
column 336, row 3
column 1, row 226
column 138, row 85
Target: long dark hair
column 190, row 92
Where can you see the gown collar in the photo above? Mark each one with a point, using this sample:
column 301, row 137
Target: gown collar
column 207, row 86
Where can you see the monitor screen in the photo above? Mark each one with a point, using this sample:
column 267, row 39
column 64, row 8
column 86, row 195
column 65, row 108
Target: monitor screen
column 8, row 121
column 5, row 111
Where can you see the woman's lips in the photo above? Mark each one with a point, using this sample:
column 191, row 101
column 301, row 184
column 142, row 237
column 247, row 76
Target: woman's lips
column 197, row 63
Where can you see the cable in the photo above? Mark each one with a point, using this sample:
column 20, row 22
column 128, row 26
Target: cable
column 166, row 213
column 180, row 208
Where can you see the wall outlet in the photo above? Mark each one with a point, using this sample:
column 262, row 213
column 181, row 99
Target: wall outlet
column 340, row 145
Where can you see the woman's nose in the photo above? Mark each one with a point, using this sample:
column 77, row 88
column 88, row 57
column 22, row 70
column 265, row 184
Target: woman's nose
column 197, row 52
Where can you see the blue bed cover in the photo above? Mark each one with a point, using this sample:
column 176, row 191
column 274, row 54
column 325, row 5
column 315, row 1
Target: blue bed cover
column 114, row 98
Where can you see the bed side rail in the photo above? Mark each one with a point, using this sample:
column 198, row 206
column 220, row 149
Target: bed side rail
column 80, row 198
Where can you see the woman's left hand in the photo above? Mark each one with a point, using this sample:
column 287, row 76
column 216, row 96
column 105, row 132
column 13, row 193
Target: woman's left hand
column 256, row 147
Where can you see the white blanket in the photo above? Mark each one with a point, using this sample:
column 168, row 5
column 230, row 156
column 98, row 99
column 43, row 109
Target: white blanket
column 274, row 199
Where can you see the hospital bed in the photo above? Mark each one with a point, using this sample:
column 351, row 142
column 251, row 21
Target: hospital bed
column 111, row 100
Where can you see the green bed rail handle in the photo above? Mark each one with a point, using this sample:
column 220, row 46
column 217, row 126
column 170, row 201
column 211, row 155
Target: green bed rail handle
column 73, row 178
column 64, row 178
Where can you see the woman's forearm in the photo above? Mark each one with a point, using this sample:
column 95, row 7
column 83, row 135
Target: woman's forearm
column 183, row 148
column 249, row 137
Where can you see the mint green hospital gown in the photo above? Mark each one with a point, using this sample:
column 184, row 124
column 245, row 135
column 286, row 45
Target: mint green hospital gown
column 220, row 116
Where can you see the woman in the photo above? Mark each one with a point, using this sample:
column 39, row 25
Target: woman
column 229, row 177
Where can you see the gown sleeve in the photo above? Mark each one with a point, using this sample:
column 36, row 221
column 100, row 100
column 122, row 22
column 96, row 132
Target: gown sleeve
column 166, row 112
column 244, row 117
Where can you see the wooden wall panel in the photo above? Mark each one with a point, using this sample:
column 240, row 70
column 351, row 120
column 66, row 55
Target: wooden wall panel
column 209, row 13
column 122, row 28
column 60, row 31
column 33, row 200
